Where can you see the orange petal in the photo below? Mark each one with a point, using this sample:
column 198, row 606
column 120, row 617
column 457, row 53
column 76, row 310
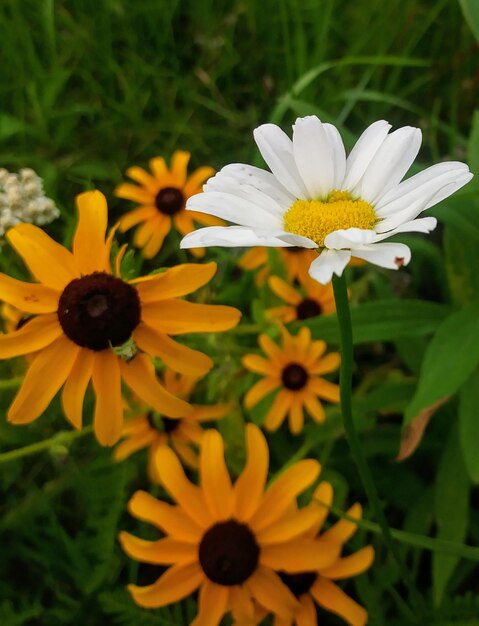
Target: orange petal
column 327, row 364
column 275, row 416
column 89, row 238
column 283, row 492
column 175, row 584
column 249, row 486
column 323, row 496
column 47, row 373
column 75, row 387
column 215, row 480
column 269, row 347
column 160, row 170
column 171, row 519
column 28, row 297
column 344, row 529
column 179, row 316
column 299, row 555
column 153, row 246
column 133, row 444
column 108, row 416
column 324, row 389
column 36, row 334
column 314, row 407
column 139, row 175
column 135, row 217
column 351, row 565
column 268, row 590
column 174, row 282
column 296, row 416
column 179, row 166
column 257, row 364
column 139, row 375
column 213, row 603
column 261, row 389
column 252, row 259
column 188, row 496
column 306, row 616
column 284, row 291
column 175, row 355
column 48, row 261
column 332, row 598
column 291, row 526
column 127, row 191
column 196, row 179
column 165, row 551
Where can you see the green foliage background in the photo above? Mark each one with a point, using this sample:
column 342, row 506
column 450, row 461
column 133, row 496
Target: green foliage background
column 88, row 88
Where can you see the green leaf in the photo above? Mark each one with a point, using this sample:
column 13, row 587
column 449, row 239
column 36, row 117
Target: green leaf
column 470, row 8
column 450, row 359
column 469, row 425
column 473, row 145
column 452, row 510
column 461, row 265
column 383, row 320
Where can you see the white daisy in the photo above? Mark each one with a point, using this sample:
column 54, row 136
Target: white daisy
column 315, row 197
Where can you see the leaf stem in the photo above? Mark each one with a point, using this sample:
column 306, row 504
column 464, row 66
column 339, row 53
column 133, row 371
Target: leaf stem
column 346, row 373
column 60, row 438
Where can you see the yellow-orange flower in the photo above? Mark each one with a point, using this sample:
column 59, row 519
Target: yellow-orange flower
column 295, row 369
column 296, row 261
column 316, row 300
column 13, row 318
column 84, row 319
column 162, row 196
column 183, row 433
column 317, row 586
column 227, row 539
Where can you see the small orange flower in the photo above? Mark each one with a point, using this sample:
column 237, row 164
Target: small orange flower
column 295, row 370
column 317, row 300
column 162, row 196
column 296, row 261
column 182, row 433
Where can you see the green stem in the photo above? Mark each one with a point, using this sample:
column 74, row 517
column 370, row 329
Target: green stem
column 346, row 373
column 11, row 383
column 61, row 438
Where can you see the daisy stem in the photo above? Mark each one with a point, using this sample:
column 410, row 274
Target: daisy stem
column 346, row 374
column 61, row 438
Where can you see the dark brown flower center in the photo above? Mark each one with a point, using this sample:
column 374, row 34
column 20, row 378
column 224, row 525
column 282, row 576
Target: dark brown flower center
column 308, row 308
column 298, row 583
column 163, row 424
column 98, row 311
column 294, row 376
column 169, row 200
column 228, row 553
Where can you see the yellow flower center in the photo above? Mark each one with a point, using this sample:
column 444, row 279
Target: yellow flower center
column 315, row 219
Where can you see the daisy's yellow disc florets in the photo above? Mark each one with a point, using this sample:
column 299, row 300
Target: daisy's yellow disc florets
column 315, row 219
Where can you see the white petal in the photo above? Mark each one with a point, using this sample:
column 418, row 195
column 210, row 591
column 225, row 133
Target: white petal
column 228, row 184
column 234, row 209
column 328, row 263
column 313, row 156
column 401, row 217
column 390, row 164
column 363, row 152
column 422, row 225
column 338, row 153
column 261, row 179
column 277, row 150
column 424, row 185
column 296, row 240
column 389, row 255
column 349, row 238
column 448, row 190
column 229, row 237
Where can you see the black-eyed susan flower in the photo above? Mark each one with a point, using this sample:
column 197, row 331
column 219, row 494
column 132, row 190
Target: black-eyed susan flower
column 294, row 371
column 162, row 196
column 318, row 586
column 296, row 261
column 315, row 299
column 84, row 317
column 316, row 198
column 227, row 539
column 152, row 430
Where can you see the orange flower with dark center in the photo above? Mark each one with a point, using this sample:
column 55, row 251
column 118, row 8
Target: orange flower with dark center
column 88, row 324
column 296, row 262
column 162, row 196
column 313, row 300
column 294, row 369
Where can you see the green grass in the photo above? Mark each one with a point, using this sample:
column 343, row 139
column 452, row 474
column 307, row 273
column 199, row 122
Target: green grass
column 88, row 88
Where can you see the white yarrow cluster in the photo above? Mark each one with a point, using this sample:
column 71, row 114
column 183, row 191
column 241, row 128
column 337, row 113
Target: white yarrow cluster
column 22, row 199
column 315, row 196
